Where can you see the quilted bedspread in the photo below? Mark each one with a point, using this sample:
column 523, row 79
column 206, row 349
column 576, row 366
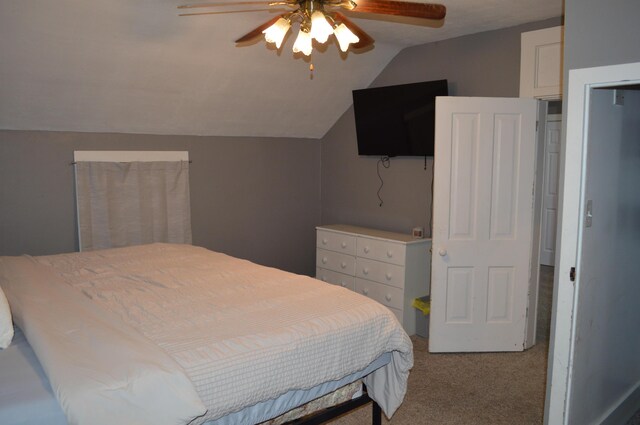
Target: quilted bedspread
column 242, row 333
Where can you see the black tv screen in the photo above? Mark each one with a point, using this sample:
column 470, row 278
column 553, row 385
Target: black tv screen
column 397, row 120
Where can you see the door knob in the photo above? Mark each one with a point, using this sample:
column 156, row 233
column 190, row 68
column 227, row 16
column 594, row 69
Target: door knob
column 442, row 252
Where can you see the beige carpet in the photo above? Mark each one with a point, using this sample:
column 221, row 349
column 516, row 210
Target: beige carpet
column 478, row 388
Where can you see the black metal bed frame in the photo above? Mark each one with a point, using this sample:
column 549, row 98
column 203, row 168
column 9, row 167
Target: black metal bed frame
column 333, row 412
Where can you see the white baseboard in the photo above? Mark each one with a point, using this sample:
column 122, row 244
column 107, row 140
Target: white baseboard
column 620, row 414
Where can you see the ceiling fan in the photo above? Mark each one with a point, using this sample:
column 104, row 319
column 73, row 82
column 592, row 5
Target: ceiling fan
column 319, row 19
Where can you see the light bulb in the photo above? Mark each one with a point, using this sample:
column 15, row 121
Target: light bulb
column 345, row 37
column 303, row 43
column 276, row 32
column 320, row 28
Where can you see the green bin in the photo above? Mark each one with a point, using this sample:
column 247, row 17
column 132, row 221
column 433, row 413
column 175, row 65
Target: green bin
column 423, row 305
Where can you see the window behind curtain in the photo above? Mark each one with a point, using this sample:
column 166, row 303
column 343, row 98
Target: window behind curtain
column 132, row 198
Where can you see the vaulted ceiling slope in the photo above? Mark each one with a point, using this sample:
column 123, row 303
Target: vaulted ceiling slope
column 136, row 67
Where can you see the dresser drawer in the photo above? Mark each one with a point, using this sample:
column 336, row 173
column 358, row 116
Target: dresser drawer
column 389, row 274
column 338, row 242
column 384, row 294
column 335, row 261
column 390, row 252
column 336, row 278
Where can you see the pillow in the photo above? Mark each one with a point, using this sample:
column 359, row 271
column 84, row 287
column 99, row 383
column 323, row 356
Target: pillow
column 6, row 325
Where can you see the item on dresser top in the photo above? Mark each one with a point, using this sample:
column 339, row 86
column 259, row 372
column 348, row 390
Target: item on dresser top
column 391, row 268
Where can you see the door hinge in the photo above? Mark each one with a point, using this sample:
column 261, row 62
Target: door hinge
column 572, row 274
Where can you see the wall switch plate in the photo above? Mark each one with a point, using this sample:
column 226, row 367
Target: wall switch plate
column 618, row 97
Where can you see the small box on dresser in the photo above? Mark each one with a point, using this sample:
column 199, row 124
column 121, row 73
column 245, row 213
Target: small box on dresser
column 391, row 268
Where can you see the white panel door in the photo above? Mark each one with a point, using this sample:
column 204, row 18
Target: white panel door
column 482, row 228
column 550, row 192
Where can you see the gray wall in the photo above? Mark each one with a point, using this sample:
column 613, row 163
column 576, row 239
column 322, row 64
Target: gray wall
column 606, row 364
column 601, row 33
column 485, row 64
column 261, row 198
column 253, row 198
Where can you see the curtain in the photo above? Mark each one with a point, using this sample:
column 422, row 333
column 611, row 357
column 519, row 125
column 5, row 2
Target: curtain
column 132, row 203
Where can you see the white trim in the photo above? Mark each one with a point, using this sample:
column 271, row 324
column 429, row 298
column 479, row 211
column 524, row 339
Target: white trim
column 581, row 81
column 625, row 408
column 130, row 156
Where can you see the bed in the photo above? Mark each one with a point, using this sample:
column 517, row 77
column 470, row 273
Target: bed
column 177, row 334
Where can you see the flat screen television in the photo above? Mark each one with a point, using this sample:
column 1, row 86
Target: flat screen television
column 397, row 120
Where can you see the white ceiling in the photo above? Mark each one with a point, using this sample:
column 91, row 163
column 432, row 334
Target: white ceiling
column 134, row 66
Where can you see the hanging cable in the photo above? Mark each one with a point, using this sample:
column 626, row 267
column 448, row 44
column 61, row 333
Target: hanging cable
column 386, row 163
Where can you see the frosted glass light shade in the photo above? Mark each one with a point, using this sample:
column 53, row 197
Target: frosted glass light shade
column 345, row 37
column 303, row 43
column 320, row 28
column 276, row 32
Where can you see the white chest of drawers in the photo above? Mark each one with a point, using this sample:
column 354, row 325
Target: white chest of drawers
column 391, row 268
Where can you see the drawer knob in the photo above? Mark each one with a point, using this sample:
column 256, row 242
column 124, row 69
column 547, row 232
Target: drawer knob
column 442, row 252
column 366, row 249
column 343, row 244
column 324, row 241
column 365, row 291
column 389, row 254
column 387, row 297
column 324, row 279
column 343, row 284
column 365, row 270
column 324, row 260
column 388, row 276
column 343, row 265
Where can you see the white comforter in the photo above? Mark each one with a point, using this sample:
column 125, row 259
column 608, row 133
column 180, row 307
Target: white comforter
column 240, row 332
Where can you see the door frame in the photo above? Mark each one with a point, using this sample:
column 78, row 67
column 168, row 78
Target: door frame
column 569, row 236
column 536, row 227
column 550, row 118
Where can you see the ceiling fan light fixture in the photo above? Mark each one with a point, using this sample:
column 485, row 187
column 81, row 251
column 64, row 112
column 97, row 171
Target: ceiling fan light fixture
column 303, row 43
column 320, row 28
column 276, row 32
column 345, row 37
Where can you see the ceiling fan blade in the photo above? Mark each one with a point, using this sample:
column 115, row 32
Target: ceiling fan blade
column 365, row 39
column 401, row 8
column 222, row 12
column 258, row 31
column 230, row 3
